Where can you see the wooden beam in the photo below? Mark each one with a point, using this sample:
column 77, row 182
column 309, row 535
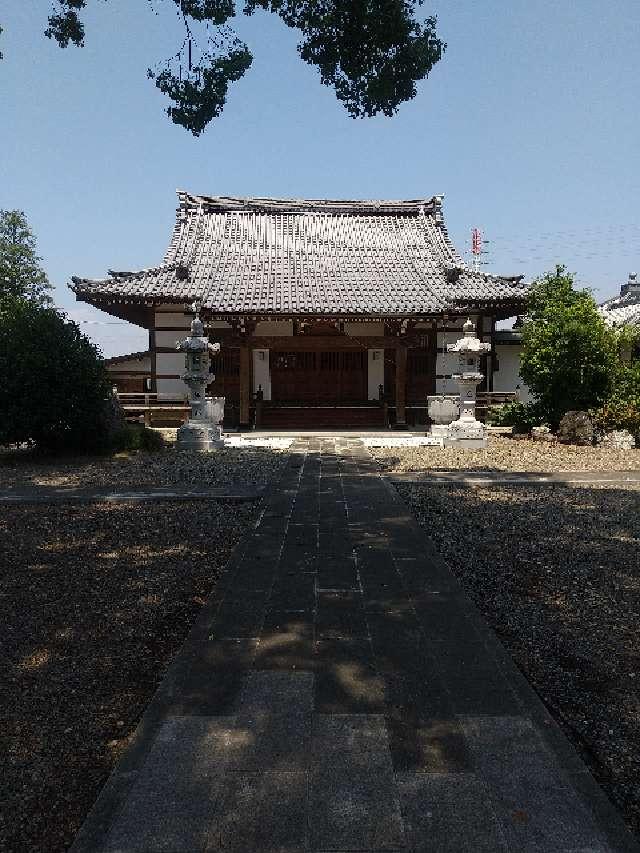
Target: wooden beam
column 296, row 343
column 245, row 384
column 401, row 386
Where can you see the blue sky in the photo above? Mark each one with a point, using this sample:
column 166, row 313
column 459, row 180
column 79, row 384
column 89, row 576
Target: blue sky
column 530, row 126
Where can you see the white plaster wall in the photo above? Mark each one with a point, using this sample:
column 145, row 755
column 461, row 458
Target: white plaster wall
column 169, row 339
column 170, row 362
column 171, row 389
column 274, row 327
column 363, row 330
column 446, row 363
column 261, row 372
column 375, row 373
column 508, row 375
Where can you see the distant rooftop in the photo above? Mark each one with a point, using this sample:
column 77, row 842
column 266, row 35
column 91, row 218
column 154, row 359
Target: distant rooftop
column 283, row 257
column 624, row 310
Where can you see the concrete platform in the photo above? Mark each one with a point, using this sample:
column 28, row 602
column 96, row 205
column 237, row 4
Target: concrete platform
column 342, row 694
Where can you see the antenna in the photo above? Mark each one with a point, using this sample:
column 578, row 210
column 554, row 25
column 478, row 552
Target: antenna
column 476, row 248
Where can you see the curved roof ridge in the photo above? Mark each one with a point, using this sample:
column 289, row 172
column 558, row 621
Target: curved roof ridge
column 363, row 207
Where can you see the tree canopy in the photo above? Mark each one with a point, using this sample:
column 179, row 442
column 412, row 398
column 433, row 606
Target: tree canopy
column 371, row 52
column 53, row 383
column 569, row 355
column 20, row 272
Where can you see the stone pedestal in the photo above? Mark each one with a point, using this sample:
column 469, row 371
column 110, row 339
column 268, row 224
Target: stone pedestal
column 199, row 435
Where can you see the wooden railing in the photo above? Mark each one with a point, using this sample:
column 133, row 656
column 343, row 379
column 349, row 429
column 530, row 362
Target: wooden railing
column 142, row 406
column 486, row 399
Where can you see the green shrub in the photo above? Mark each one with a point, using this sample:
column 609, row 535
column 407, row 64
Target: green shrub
column 521, row 416
column 134, row 437
column 53, row 383
column 615, row 416
column 569, row 355
column 621, row 410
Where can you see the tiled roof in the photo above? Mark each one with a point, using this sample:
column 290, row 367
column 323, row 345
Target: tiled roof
column 129, row 356
column 624, row 310
column 286, row 257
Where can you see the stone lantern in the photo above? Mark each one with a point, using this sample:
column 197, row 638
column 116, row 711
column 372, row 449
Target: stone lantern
column 202, row 431
column 467, row 431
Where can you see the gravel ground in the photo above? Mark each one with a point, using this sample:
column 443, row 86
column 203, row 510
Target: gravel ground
column 508, row 454
column 556, row 573
column 252, row 466
column 95, row 601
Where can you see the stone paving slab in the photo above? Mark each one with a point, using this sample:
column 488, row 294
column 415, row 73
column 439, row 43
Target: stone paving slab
column 537, row 808
column 353, row 786
column 443, row 811
column 177, row 789
column 262, row 811
column 340, row 693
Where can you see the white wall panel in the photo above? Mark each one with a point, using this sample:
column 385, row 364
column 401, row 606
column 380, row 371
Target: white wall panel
column 169, row 339
column 169, row 362
column 171, row 389
column 375, row 373
column 507, row 377
column 261, row 372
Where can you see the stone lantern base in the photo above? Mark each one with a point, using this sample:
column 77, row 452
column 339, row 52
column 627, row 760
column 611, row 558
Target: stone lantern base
column 467, row 434
column 199, row 436
column 204, row 432
column 465, row 443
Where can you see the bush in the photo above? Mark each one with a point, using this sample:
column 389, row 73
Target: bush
column 569, row 355
column 521, row 416
column 621, row 410
column 53, row 383
column 617, row 416
column 133, row 437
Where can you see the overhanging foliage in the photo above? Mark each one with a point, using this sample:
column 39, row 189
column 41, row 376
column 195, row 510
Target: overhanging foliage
column 371, row 52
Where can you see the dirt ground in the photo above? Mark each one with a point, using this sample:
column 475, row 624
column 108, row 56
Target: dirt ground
column 252, row 466
column 508, row 454
column 95, row 602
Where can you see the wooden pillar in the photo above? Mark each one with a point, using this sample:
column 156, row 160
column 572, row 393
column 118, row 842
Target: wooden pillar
column 154, row 360
column 401, row 386
column 492, row 355
column 245, row 384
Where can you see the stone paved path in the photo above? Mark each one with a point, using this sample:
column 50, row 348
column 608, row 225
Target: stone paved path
column 345, row 696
